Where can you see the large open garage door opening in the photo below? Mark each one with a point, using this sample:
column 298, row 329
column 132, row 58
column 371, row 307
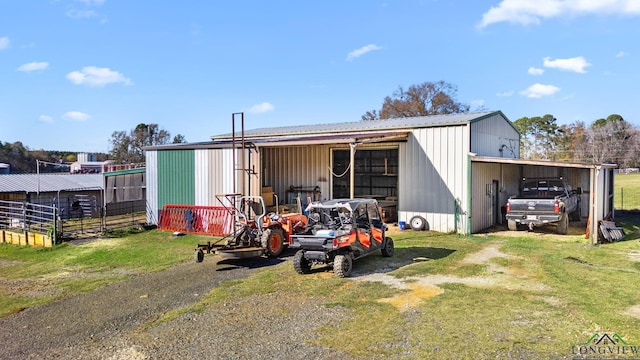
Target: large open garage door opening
column 376, row 176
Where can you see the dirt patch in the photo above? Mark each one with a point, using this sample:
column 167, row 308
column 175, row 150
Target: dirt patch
column 633, row 311
column 421, row 288
column 484, row 255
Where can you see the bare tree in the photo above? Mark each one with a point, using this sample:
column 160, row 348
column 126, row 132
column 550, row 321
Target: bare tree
column 428, row 98
column 129, row 147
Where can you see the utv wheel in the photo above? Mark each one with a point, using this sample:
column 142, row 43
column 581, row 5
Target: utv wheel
column 199, row 255
column 300, row 263
column 273, row 242
column 387, row 250
column 563, row 225
column 342, row 265
column 512, row 225
column 418, row 223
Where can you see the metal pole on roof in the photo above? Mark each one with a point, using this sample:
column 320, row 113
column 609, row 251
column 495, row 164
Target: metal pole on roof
column 233, row 148
column 352, row 170
column 38, row 176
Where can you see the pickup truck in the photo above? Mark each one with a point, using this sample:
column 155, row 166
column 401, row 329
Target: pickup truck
column 544, row 201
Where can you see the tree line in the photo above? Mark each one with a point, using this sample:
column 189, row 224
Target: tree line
column 126, row 147
column 610, row 140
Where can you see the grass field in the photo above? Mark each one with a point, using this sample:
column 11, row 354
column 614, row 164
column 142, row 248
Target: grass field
column 627, row 191
column 440, row 296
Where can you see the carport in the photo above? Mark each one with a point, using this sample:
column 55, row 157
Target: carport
column 494, row 180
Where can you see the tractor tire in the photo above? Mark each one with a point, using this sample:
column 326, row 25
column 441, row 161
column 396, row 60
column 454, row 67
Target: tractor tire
column 342, row 265
column 199, row 255
column 273, row 242
column 512, row 225
column 387, row 250
column 563, row 225
column 418, row 223
column 300, row 263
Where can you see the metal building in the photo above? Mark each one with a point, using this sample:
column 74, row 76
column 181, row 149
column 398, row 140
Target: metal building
column 455, row 171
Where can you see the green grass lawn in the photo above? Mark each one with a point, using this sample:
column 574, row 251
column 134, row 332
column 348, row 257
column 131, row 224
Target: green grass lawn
column 454, row 296
column 627, row 191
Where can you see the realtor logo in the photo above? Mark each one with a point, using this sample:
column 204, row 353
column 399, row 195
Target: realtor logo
column 605, row 346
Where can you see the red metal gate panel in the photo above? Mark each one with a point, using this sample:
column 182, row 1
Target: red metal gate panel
column 208, row 220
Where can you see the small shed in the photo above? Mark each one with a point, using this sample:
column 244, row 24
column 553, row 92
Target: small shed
column 454, row 171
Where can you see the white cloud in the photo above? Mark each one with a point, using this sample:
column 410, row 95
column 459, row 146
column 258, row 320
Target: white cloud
column 576, row 64
column 539, row 90
column 621, row 54
column 535, row 71
column 363, row 50
column 95, row 76
column 76, row 116
column 4, row 42
column 505, row 94
column 81, row 13
column 477, row 103
column 45, row 118
column 261, row 108
column 526, row 12
column 91, row 2
column 33, row 66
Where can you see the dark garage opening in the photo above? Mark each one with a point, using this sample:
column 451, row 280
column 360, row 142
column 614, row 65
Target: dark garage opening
column 376, row 176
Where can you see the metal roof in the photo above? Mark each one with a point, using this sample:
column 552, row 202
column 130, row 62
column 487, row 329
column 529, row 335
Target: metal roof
column 541, row 162
column 32, row 183
column 360, row 126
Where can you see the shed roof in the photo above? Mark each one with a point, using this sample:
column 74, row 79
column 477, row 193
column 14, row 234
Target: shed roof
column 31, row 183
column 364, row 126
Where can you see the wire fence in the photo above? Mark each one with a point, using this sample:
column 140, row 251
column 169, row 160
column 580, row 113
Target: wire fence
column 627, row 199
column 26, row 223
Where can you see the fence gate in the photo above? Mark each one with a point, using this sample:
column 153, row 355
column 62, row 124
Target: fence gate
column 209, row 220
column 23, row 223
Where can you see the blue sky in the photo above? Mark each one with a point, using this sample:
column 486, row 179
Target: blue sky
column 74, row 71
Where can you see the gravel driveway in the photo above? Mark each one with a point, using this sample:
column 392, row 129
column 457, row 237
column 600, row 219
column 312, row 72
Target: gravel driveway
column 108, row 323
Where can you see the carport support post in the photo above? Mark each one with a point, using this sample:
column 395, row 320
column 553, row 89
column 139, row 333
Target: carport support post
column 352, row 169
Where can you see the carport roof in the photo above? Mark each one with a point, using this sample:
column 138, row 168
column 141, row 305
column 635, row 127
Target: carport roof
column 31, row 183
column 540, row 162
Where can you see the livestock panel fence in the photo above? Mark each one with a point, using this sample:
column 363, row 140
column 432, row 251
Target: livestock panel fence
column 24, row 223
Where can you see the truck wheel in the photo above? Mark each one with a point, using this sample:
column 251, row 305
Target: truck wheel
column 387, row 250
column 512, row 225
column 342, row 265
column 273, row 242
column 300, row 263
column 563, row 225
column 199, row 255
column 418, row 223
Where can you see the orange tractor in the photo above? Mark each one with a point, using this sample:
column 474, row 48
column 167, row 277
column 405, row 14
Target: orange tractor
column 253, row 232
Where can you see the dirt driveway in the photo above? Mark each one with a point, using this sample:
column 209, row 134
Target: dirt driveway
column 109, row 323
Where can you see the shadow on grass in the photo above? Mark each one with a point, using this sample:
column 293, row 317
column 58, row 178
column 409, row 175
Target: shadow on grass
column 251, row 263
column 377, row 264
column 629, row 220
column 371, row 264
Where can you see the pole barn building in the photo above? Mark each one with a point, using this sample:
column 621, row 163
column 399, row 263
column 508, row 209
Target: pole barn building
column 451, row 173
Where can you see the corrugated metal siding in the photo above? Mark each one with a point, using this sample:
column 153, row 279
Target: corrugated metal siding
column 306, row 166
column 433, row 177
column 489, row 135
column 152, row 186
column 176, row 177
column 214, row 175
